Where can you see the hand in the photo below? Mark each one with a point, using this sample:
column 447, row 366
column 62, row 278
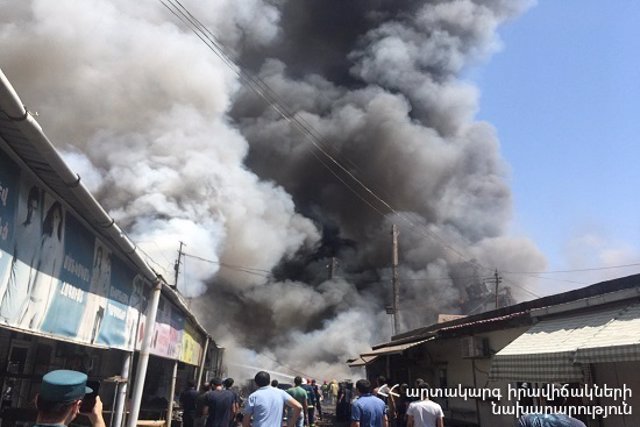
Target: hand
column 95, row 416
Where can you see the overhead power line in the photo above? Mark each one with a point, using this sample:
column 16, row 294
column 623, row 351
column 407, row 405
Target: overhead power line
column 577, row 270
column 264, row 91
column 325, row 157
column 248, row 270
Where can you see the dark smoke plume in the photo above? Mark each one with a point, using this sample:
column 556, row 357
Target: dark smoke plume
column 178, row 150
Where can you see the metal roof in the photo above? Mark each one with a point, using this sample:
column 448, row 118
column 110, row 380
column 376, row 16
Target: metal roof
column 597, row 291
column 556, row 349
column 395, row 349
column 361, row 361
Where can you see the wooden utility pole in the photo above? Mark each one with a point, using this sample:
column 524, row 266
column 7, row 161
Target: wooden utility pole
column 498, row 279
column 332, row 268
column 395, row 303
column 176, row 266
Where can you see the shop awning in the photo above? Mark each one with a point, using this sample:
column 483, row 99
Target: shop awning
column 362, row 361
column 394, row 349
column 556, row 350
column 618, row 341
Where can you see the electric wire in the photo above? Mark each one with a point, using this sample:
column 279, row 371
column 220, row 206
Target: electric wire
column 577, row 270
column 553, row 279
column 248, row 270
column 313, row 137
column 263, row 90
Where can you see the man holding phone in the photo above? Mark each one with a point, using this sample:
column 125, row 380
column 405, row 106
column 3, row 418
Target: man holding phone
column 60, row 398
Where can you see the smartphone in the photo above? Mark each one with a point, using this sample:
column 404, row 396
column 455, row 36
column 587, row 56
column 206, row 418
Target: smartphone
column 89, row 399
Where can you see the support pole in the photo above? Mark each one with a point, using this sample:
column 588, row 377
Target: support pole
column 176, row 266
column 395, row 282
column 332, row 268
column 203, row 359
column 172, row 393
column 498, row 279
column 122, row 391
column 143, row 360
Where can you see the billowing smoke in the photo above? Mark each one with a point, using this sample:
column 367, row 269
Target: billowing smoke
column 177, row 149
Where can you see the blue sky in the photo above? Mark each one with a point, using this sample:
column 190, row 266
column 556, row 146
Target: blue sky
column 564, row 96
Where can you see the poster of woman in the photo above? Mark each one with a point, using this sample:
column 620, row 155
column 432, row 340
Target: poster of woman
column 25, row 253
column 48, row 266
column 9, row 174
column 96, row 299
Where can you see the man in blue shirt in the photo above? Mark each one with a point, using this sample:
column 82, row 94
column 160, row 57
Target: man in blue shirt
column 367, row 410
column 266, row 404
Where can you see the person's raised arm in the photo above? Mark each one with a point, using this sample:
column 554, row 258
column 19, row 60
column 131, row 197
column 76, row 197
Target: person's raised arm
column 305, row 408
column 297, row 407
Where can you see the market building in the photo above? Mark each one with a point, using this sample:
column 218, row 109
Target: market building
column 76, row 293
column 578, row 349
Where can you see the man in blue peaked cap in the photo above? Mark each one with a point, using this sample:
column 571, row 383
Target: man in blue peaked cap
column 58, row 402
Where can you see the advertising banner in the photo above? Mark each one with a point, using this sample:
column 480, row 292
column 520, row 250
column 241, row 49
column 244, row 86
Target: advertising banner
column 9, row 173
column 175, row 333
column 57, row 277
column 70, row 300
column 47, row 268
column 113, row 328
column 161, row 342
column 191, row 346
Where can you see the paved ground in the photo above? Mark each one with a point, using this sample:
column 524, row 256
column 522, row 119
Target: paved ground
column 328, row 418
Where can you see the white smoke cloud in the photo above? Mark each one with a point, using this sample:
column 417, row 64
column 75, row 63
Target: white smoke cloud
column 177, row 150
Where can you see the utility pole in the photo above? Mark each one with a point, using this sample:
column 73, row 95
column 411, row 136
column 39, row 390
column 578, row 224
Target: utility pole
column 176, row 266
column 332, row 267
column 498, row 279
column 395, row 282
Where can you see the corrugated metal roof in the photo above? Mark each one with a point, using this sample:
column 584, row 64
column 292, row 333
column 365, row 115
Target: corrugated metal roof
column 483, row 322
column 394, row 349
column 617, row 341
column 555, row 349
column 563, row 333
column 362, row 361
column 596, row 290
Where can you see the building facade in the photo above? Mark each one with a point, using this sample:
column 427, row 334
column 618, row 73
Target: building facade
column 76, row 294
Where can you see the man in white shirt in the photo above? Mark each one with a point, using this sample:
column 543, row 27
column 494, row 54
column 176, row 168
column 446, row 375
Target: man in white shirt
column 425, row 412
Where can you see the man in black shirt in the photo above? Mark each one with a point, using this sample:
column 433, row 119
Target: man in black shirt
column 188, row 402
column 221, row 405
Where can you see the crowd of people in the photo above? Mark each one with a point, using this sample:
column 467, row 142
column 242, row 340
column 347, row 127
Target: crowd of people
column 218, row 404
column 365, row 404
